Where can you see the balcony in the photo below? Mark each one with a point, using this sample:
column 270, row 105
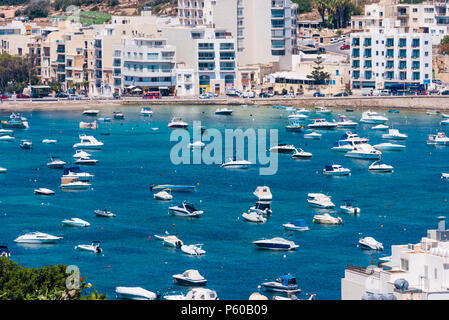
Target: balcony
column 60, row 70
column 60, row 50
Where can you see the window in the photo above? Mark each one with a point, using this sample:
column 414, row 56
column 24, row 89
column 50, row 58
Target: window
column 435, row 273
column 404, row 264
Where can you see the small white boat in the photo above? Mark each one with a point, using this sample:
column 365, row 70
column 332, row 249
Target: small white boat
column 49, row 141
column 170, row 241
column 432, row 112
column 190, row 277
column 343, row 146
column 443, row 115
column 3, row 170
column 336, row 170
column 88, row 142
column 197, row 144
column 75, row 222
column 283, row 148
column 371, row 244
column 94, row 247
column 348, row 208
column 224, row 111
column 7, row 138
column 6, row 132
column 104, row 213
column 56, row 163
column 75, row 185
column 353, row 137
column 394, row 134
column 146, row 111
column 319, row 200
column 379, row 166
column 445, row 176
column 177, row 123
column 254, row 216
column 276, row 244
column 185, row 209
column 134, row 293
column 301, row 154
column 195, row 294
column 380, row 127
column 444, row 122
column 438, row 139
column 26, row 144
column 89, row 125
column 389, row 147
column 323, row 110
column 327, row 219
column 81, row 154
column 344, row 122
column 118, row 115
column 296, row 225
column 364, row 151
column 297, row 116
column 262, row 207
column 44, row 192
column 263, row 193
column 76, row 173
column 286, row 283
column 302, row 111
column 193, row 249
column 236, row 164
column 322, row 124
column 91, row 112
column 163, row 195
column 373, row 117
column 37, row 238
column 86, row 161
column 313, row 136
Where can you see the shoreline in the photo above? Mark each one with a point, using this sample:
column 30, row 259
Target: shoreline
column 375, row 103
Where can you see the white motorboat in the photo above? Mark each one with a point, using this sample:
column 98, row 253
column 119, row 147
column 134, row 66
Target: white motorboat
column 76, row 173
column 134, row 293
column 262, row 207
column 104, row 213
column 170, row 241
column 349, row 136
column 286, row 283
column 91, row 112
column 296, row 225
column 195, row 294
column 297, row 116
column 193, row 249
column 444, row 122
column 94, row 247
column 379, row 166
column 75, row 185
column 190, row 277
column 443, row 115
column 371, row 244
column 344, row 122
column 336, row 170
column 197, row 145
column 327, row 219
column 49, row 141
column 163, row 195
column 3, row 170
column 177, row 123
column 373, row 117
column 438, row 139
column 254, row 216
column 301, row 154
column 25, row 144
column 236, row 164
column 294, row 125
column 323, row 110
column 394, row 134
column 364, row 151
column 380, row 127
column 81, row 154
column 4, row 250
column 343, row 146
column 348, row 208
column 118, row 115
column 263, row 193
column 302, row 111
column 276, row 244
column 322, row 124
column 283, row 148
column 313, row 136
column 56, row 163
column 387, row 146
column 75, row 222
column 6, row 132
column 445, row 176
column 86, row 161
column 37, row 238
column 432, row 112
column 319, row 200
column 7, row 138
column 224, row 111
column 88, row 142
column 89, row 125
column 185, row 209
column 146, row 111
column 44, row 192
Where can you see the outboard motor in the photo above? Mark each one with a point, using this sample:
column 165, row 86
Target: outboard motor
column 151, row 187
column 401, row 284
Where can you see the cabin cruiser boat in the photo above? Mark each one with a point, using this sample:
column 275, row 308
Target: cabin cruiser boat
column 322, row 124
column 197, row 144
column 294, row 297
column 15, row 124
column 445, row 176
column 185, row 209
column 262, row 207
column 349, row 136
column 389, row 146
column 394, row 134
column 193, row 249
column 373, row 117
column 37, row 238
column 81, row 154
column 6, row 132
column 343, row 146
column 254, row 216
column 294, row 126
column 348, row 208
column 297, row 116
column 444, row 115
column 86, row 161
column 344, row 122
column 364, row 151
column 26, row 144
column 75, row 172
column 75, row 185
column 177, row 123
column 313, row 136
column 94, row 247
column 134, row 293
column 236, row 164
column 322, row 110
column 336, row 170
column 327, row 219
column 302, row 111
column 286, row 283
column 7, row 138
column 190, row 277
column 75, row 222
column 379, row 166
column 319, row 200
column 432, row 112
column 438, row 139
column 276, row 244
column 283, row 148
column 171, row 187
column 3, row 170
column 146, row 111
column 224, row 111
column 163, row 195
column 49, row 141
column 380, row 127
column 370, row 244
column 263, row 193
column 4, row 251
column 104, row 213
column 444, row 122
column 170, row 241
column 44, row 192
column 195, row 294
column 91, row 112
column 89, row 125
column 118, row 115
column 88, row 142
column 301, row 154
column 296, row 225
column 56, row 163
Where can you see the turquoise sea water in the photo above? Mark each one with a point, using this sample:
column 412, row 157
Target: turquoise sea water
column 396, row 208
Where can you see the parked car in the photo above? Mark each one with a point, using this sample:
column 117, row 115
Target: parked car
column 318, row 94
column 342, row 94
column 116, row 95
column 445, row 93
column 3, row 96
column 61, row 95
column 334, row 40
column 385, row 92
column 22, row 96
column 345, row 47
column 211, row 94
column 437, row 81
column 74, row 97
column 204, row 96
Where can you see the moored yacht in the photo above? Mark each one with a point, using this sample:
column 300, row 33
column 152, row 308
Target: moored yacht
column 74, row 184
column 195, row 294
column 75, row 222
column 262, row 207
column 118, row 115
column 236, row 164
column 146, row 111
column 301, row 154
column 224, row 111
column 394, row 134
column 364, row 151
column 185, row 209
column 371, row 244
column 26, row 144
column 296, row 225
column 379, row 166
column 322, row 124
column 276, row 244
column 263, row 193
column 56, row 163
column 86, row 161
column 254, row 216
column 323, row 110
column 344, row 122
column 343, row 146
column 349, row 208
column 178, row 123
column 312, row 136
column 349, row 136
column 190, row 277
column 193, row 249
column 49, row 141
column 77, row 173
column 380, row 127
column 134, row 293
column 336, row 170
column 44, row 192
column 438, row 139
column 88, row 142
column 163, row 195
column 170, row 241
column 286, row 283
column 91, row 112
column 327, row 219
column 81, row 154
column 373, row 117
column 283, row 148
column 104, row 213
column 319, row 200
column 7, row 138
column 37, row 238
column 387, row 146
column 93, row 247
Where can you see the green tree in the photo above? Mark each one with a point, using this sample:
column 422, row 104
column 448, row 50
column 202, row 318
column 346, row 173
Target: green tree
column 321, row 6
column 303, row 5
column 318, row 75
column 39, row 9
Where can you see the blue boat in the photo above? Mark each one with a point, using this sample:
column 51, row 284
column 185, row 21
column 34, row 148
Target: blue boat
column 296, row 225
column 172, row 187
column 394, row 111
column 276, row 244
column 286, row 283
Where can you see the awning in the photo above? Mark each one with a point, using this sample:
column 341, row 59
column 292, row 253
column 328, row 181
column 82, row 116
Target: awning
column 163, row 88
column 130, row 87
column 137, row 89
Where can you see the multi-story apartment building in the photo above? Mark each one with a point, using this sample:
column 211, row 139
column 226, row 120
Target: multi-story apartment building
column 383, row 57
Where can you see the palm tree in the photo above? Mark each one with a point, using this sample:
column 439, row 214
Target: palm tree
column 322, row 6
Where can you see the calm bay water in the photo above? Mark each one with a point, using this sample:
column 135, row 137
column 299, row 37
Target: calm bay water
column 396, row 208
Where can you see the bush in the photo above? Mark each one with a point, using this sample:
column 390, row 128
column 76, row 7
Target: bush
column 39, row 9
